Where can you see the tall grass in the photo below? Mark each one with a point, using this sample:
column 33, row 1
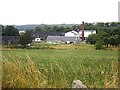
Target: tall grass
column 22, row 75
column 0, row 66
column 58, row 68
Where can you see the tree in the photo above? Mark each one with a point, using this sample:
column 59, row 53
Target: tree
column 98, row 45
column 113, row 24
column 103, row 37
column 114, row 40
column 37, row 29
column 10, row 31
column 1, row 29
column 67, row 29
column 25, row 39
column 106, row 41
column 117, row 40
column 115, row 31
column 99, row 39
column 92, row 39
column 107, row 24
column 100, row 24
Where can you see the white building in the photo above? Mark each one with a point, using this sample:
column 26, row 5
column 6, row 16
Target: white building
column 87, row 33
column 22, row 31
column 70, row 37
column 71, row 34
column 79, row 34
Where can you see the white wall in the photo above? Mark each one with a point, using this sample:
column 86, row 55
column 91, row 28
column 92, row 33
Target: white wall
column 22, row 31
column 71, row 34
column 37, row 39
column 87, row 33
column 75, row 34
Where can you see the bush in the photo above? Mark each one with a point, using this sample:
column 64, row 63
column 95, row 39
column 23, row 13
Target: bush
column 98, row 46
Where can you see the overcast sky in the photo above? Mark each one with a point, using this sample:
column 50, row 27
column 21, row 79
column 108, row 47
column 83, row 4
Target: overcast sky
column 21, row 12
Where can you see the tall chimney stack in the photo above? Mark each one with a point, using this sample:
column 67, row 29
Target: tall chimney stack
column 82, row 31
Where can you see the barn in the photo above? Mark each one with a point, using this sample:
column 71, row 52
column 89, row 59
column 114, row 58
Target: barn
column 60, row 39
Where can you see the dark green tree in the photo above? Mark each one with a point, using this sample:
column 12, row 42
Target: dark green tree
column 98, row 45
column 1, row 29
column 100, row 24
column 114, row 40
column 117, row 40
column 38, row 29
column 92, row 39
column 25, row 39
column 103, row 37
column 10, row 31
column 113, row 24
column 107, row 24
column 115, row 31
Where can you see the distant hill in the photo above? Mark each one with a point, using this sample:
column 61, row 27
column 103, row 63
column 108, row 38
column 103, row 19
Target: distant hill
column 25, row 27
column 32, row 26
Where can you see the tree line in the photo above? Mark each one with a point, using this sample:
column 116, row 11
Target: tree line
column 105, row 37
column 69, row 27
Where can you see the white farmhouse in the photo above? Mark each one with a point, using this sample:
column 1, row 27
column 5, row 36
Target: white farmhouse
column 71, row 34
column 74, row 34
column 79, row 34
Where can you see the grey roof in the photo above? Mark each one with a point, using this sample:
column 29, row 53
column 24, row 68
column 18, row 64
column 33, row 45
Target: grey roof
column 45, row 34
column 60, row 39
column 48, row 33
column 12, row 39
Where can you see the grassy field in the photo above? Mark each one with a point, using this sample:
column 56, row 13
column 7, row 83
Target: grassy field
column 56, row 66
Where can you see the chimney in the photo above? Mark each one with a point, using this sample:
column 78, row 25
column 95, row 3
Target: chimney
column 82, row 31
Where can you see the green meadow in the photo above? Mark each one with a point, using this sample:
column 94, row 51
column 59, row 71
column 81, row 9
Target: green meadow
column 56, row 66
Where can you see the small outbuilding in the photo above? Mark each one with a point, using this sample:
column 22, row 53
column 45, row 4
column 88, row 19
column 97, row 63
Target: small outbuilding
column 37, row 40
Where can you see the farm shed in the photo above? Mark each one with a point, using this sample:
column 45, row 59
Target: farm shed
column 37, row 39
column 21, row 31
column 61, row 39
